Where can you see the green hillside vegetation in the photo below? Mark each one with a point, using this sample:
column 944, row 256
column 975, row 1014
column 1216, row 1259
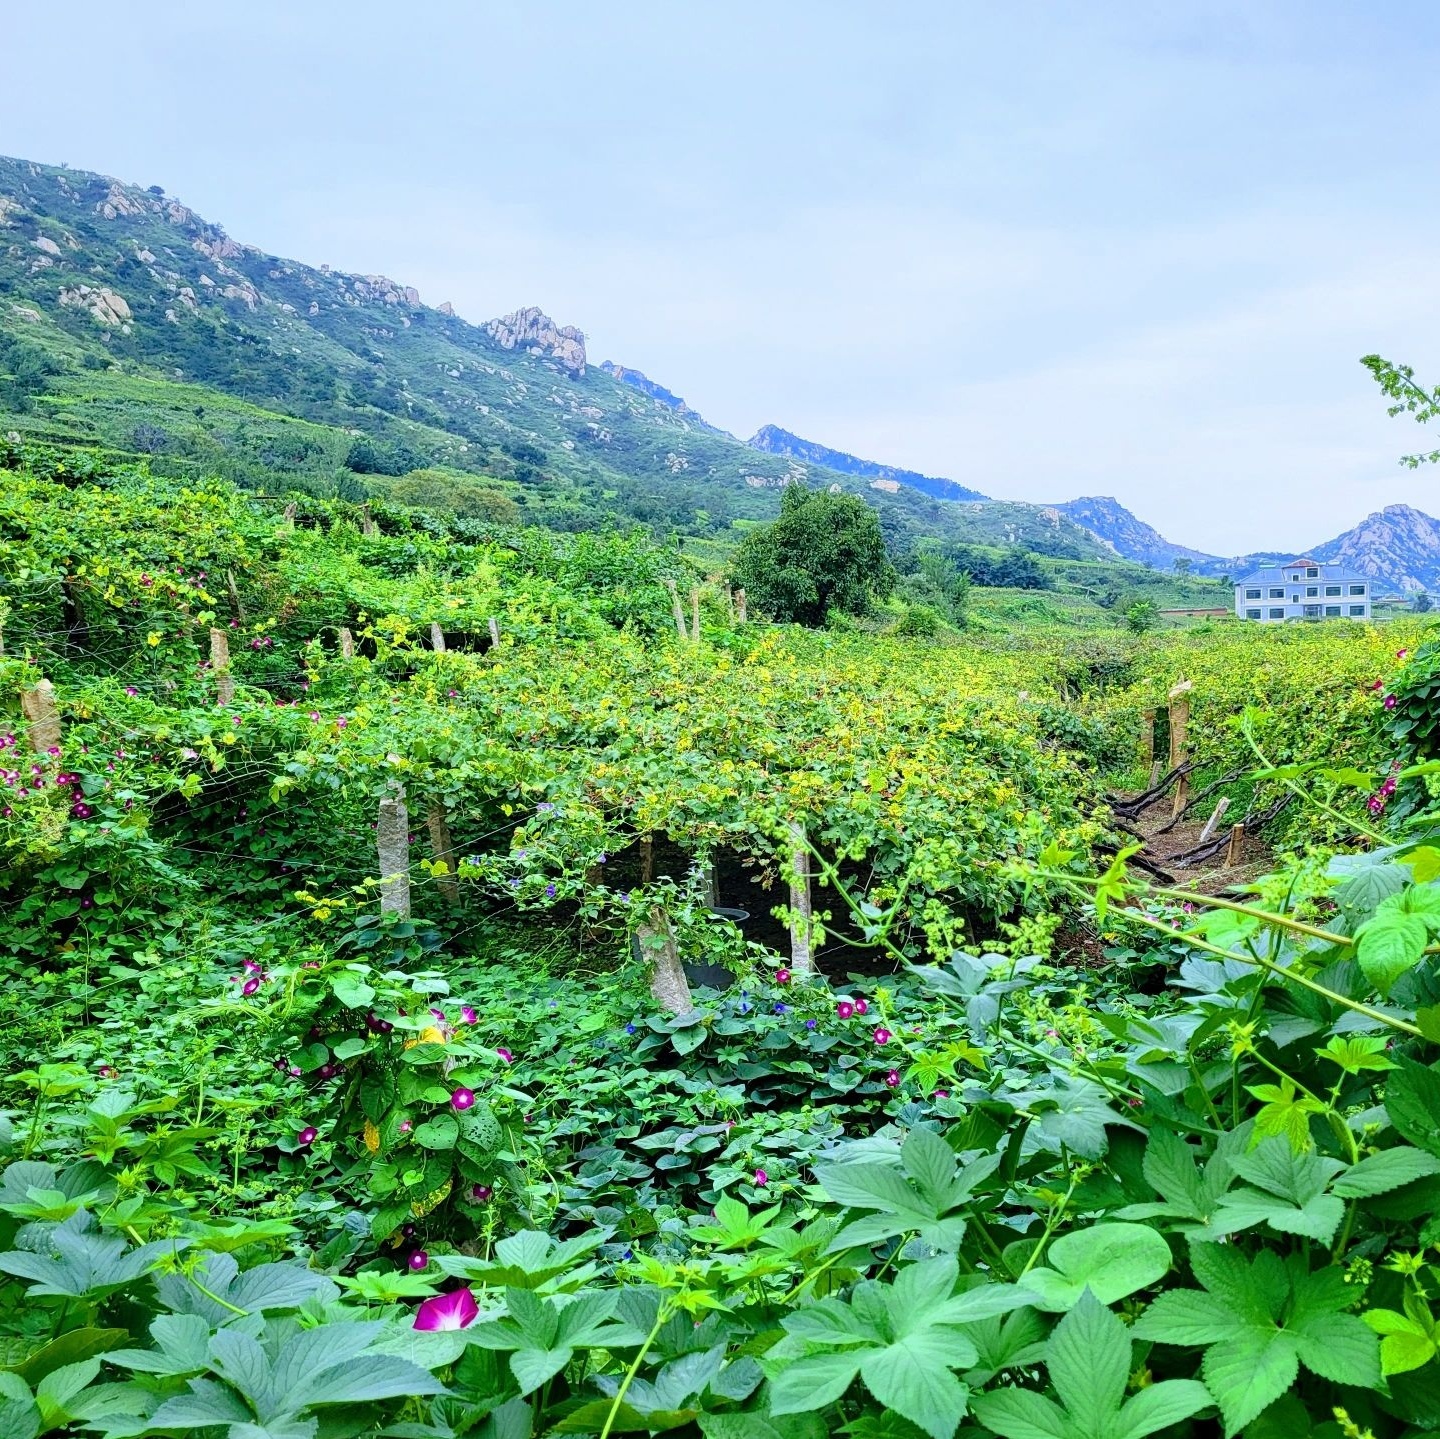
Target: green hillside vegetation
column 220, row 359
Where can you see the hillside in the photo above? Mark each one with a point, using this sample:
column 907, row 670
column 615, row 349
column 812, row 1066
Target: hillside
column 772, row 440
column 130, row 323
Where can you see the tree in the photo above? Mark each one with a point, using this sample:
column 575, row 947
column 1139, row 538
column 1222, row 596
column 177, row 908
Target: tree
column 824, row 552
column 1422, row 603
column 1181, row 567
column 1141, row 616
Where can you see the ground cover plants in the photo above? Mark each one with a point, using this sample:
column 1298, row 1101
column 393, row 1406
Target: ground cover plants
column 282, row 1164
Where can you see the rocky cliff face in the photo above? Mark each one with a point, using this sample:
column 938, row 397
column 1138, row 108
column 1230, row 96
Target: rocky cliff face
column 1399, row 547
column 642, row 382
column 1132, row 539
column 533, row 330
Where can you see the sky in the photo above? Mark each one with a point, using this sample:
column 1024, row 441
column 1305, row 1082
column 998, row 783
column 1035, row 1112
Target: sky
column 1045, row 249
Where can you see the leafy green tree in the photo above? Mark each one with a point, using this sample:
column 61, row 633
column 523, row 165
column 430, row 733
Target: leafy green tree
column 824, row 552
column 1141, row 616
column 1422, row 604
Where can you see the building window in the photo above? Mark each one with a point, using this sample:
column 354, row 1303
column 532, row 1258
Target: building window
column 1294, row 577
column 1252, row 595
column 1311, row 592
column 1278, row 593
column 1358, row 610
column 1312, row 574
column 1332, row 589
column 1252, row 614
column 1357, row 589
column 1277, row 614
column 1332, row 612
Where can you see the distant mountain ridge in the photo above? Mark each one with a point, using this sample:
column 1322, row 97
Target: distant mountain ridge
column 775, row 441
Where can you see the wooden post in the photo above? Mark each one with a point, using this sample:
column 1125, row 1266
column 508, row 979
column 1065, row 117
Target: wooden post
column 676, row 608
column 1156, row 770
column 220, row 664
column 740, row 613
column 347, row 644
column 392, row 841
column 655, row 941
column 1213, row 823
column 712, row 886
column 1147, row 737
column 695, row 614
column 289, row 516
column 442, row 850
column 1236, row 846
column 40, row 709
column 801, row 962
column 234, row 595
column 647, row 858
column 494, row 633
column 1179, row 743
column 437, row 637
column 367, row 523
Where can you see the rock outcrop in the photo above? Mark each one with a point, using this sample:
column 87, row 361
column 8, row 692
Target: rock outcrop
column 106, row 305
column 532, row 329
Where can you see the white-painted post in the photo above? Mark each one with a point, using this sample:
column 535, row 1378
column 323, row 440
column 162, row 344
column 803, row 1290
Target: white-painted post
column 347, row 644
column 437, row 637
column 656, row 943
column 494, row 633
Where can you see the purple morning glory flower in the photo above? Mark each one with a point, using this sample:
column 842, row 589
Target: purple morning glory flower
column 781, row 1008
column 462, row 1099
column 307, row 1135
column 506, row 1056
column 468, row 1014
column 544, row 807
column 447, row 1311
column 629, row 1029
column 812, row 1024
column 418, row 1261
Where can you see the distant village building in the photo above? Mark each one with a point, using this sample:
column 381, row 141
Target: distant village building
column 1303, row 589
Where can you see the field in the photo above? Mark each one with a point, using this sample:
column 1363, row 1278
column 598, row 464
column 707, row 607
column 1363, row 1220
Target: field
column 441, row 1000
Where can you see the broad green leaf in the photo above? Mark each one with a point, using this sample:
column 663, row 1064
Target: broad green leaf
column 762, row 1426
column 1382, row 1172
column 1388, row 945
column 19, row 1416
column 910, row 1377
column 808, row 1384
column 1412, row 1100
column 1111, row 1260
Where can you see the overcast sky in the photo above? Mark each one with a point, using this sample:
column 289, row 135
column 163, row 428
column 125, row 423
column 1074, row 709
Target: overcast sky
column 1047, row 250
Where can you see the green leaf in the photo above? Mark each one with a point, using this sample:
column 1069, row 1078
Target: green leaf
column 1412, row 1100
column 812, row 1383
column 1388, row 945
column 910, row 1377
column 1088, row 1359
column 1382, row 1172
column 19, row 1416
column 762, row 1426
column 1111, row 1260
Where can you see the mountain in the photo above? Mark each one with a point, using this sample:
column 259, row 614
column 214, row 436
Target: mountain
column 1399, row 547
column 637, row 380
column 772, row 440
column 1132, row 539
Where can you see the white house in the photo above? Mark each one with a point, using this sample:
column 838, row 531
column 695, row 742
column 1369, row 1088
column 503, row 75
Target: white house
column 1303, row 589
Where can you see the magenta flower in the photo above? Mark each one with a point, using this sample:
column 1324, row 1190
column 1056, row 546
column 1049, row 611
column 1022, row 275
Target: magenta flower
column 892, row 1078
column 418, row 1261
column 462, row 1099
column 844, row 1009
column 506, row 1056
column 446, row 1311
column 1401, row 654
column 1389, row 702
column 250, row 985
column 307, row 1135
column 861, row 1006
column 468, row 1015
column 406, row 1126
column 882, row 1035
column 131, row 691
column 480, row 1192
column 782, row 976
column 761, row 1179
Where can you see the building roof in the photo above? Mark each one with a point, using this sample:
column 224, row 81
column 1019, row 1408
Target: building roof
column 1332, row 571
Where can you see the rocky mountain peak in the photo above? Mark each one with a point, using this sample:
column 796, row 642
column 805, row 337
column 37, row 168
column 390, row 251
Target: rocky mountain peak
column 533, row 330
